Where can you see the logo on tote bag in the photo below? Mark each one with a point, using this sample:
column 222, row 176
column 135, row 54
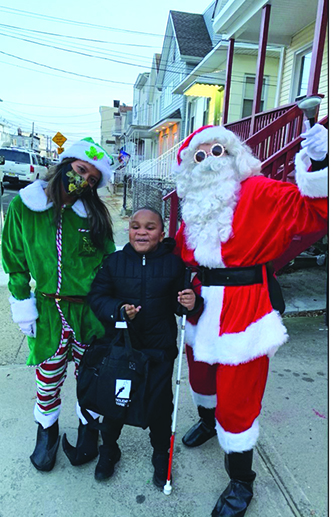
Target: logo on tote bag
column 123, row 391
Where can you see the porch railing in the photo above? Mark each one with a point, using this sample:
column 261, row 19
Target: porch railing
column 276, row 135
column 261, row 120
column 158, row 168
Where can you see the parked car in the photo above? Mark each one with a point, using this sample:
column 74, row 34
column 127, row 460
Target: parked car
column 2, row 162
column 21, row 165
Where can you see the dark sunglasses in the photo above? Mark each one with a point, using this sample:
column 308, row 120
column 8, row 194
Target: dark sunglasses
column 216, row 150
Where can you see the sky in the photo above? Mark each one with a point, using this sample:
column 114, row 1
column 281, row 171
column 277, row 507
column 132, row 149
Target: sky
column 60, row 61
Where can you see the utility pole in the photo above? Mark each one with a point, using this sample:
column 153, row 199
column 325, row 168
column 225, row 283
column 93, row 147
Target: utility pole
column 32, row 136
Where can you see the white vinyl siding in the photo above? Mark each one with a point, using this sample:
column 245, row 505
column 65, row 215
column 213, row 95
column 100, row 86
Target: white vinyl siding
column 301, row 42
column 245, row 65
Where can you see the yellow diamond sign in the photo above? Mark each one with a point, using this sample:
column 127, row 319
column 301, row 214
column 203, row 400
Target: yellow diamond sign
column 60, row 150
column 59, row 139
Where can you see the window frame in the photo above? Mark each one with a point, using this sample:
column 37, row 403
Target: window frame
column 263, row 99
column 296, row 70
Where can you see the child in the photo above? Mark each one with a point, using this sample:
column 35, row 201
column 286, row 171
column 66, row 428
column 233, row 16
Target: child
column 147, row 279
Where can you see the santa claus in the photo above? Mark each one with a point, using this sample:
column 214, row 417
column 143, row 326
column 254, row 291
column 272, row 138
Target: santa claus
column 235, row 221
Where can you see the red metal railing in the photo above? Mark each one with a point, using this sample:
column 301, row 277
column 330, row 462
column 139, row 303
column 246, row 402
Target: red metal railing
column 261, row 120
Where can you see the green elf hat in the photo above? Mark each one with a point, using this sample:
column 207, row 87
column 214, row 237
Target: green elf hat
column 89, row 151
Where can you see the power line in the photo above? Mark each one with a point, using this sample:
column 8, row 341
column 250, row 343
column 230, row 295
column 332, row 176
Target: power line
column 73, row 22
column 197, row 75
column 64, row 71
column 77, row 37
column 78, row 52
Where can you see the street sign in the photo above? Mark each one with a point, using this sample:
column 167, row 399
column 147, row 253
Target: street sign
column 60, row 150
column 59, row 139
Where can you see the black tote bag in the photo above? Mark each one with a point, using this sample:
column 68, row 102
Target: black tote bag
column 113, row 380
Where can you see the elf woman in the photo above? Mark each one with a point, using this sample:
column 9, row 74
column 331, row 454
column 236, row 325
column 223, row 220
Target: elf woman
column 57, row 232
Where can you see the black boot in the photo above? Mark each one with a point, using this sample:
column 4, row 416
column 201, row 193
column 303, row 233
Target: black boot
column 86, row 446
column 107, row 460
column 235, row 499
column 160, row 460
column 47, row 442
column 203, row 430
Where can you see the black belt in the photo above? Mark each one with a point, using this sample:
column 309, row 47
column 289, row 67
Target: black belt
column 231, row 276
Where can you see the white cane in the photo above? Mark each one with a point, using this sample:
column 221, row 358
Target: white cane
column 167, row 487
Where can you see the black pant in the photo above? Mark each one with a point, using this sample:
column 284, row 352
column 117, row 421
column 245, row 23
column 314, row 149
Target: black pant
column 160, row 408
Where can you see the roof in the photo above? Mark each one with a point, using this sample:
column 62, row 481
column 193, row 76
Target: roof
column 191, row 33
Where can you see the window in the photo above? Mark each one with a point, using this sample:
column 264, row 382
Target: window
column 190, row 118
column 305, row 63
column 15, row 156
column 173, row 51
column 249, row 95
column 168, row 95
column 301, row 73
column 206, row 111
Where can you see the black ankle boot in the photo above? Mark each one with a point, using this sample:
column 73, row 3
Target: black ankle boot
column 235, row 499
column 86, row 446
column 106, row 463
column 47, row 442
column 160, row 460
column 203, row 430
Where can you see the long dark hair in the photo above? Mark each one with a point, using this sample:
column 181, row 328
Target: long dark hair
column 98, row 215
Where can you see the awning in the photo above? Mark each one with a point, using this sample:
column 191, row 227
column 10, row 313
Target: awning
column 166, row 122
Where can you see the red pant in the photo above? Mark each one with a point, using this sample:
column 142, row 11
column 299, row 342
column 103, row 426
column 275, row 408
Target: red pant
column 239, row 389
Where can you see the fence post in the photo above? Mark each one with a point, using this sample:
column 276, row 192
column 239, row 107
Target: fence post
column 125, row 193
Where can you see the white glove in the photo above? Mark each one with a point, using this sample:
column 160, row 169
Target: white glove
column 29, row 329
column 25, row 313
column 315, row 141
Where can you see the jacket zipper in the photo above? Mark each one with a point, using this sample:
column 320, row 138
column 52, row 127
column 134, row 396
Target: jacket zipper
column 143, row 285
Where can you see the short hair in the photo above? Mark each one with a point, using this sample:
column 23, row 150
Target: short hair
column 151, row 209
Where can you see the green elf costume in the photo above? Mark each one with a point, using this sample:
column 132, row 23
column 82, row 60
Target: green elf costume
column 63, row 261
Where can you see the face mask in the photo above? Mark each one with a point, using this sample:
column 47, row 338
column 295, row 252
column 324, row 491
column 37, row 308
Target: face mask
column 72, row 181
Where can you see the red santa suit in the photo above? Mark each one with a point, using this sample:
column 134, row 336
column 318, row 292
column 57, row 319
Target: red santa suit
column 238, row 330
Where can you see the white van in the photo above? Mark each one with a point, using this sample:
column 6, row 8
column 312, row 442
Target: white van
column 21, row 165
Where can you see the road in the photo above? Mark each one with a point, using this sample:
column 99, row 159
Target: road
column 9, row 193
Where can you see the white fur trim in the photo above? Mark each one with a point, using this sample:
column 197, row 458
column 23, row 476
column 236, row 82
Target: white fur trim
column 211, row 134
column 207, row 401
column 208, row 253
column 81, row 417
column 46, row 419
column 238, row 442
column 311, row 184
column 79, row 208
column 34, row 197
column 263, row 337
column 23, row 311
column 79, row 150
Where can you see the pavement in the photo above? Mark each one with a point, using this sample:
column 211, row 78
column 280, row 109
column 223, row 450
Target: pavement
column 291, row 457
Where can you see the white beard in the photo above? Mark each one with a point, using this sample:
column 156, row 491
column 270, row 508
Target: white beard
column 210, row 194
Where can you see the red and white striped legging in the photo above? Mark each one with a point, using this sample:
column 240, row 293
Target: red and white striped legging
column 50, row 377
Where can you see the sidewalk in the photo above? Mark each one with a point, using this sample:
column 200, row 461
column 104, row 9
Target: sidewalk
column 290, row 458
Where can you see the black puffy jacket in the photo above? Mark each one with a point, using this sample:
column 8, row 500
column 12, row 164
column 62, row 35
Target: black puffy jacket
column 152, row 281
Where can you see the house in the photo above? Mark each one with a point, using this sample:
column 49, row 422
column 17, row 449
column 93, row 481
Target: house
column 297, row 28
column 187, row 40
column 114, row 121
column 139, row 142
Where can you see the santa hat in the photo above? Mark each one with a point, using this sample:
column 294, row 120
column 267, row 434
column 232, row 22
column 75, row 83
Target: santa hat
column 186, row 143
column 247, row 164
column 89, row 151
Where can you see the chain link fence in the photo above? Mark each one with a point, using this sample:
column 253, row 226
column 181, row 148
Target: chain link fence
column 147, row 191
